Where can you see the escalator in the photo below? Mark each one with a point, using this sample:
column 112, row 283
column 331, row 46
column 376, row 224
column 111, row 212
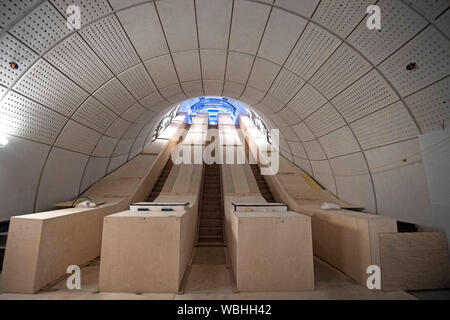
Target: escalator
column 211, row 212
column 161, row 181
column 262, row 185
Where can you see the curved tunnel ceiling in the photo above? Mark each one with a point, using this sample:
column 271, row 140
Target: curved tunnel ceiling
column 81, row 103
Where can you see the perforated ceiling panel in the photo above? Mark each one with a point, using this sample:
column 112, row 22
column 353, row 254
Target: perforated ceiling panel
column 367, row 95
column 95, row 115
column 137, row 81
column 431, row 53
column 324, row 120
column 51, row 88
column 399, row 24
column 79, row 62
column 431, row 8
column 313, row 48
column 388, row 125
column 314, row 150
column 341, row 16
column 343, row 68
column 303, row 132
column 13, row 51
column 42, row 28
column 134, row 112
column 111, row 43
column 306, row 101
column 339, row 142
column 115, row 96
column 90, row 9
column 12, row 11
column 289, row 116
column 23, row 117
column 286, row 86
column 431, row 106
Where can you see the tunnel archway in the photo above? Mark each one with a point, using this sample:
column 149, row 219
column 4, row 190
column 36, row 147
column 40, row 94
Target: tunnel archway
column 83, row 102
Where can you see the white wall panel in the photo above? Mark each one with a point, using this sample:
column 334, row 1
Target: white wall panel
column 178, row 20
column 263, row 74
column 20, row 168
column 193, row 88
column 142, row 25
column 249, row 20
column 304, row 7
column 303, row 132
column 401, row 187
column 188, row 65
column 162, row 71
column 116, row 162
column 134, row 112
column 213, row 87
column 323, row 174
column 151, row 100
column 213, row 29
column 213, row 64
column 233, row 89
column 298, row 150
column 303, row 164
column 95, row 170
column 61, row 178
column 76, row 137
column 123, row 147
column 290, row 117
column 238, row 67
column 353, row 181
column 118, row 127
column 281, row 35
column 133, row 131
column 314, row 150
column 272, row 103
column 105, row 147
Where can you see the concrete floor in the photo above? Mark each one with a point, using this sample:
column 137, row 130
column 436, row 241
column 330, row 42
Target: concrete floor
column 209, row 279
